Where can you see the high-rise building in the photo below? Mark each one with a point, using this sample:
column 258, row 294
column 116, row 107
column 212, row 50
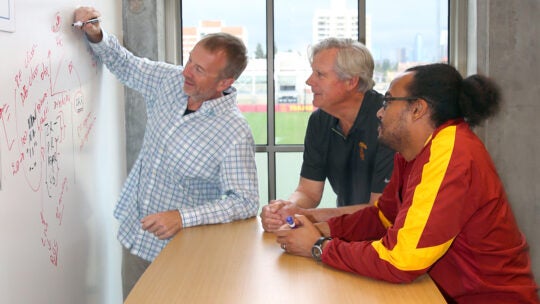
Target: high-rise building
column 418, row 48
column 338, row 21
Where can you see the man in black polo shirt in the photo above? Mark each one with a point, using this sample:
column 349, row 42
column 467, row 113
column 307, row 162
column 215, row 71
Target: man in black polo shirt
column 341, row 138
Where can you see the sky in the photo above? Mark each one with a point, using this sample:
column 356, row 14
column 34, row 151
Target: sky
column 394, row 23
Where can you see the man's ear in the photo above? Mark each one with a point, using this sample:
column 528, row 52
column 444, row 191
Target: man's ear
column 420, row 108
column 224, row 84
column 354, row 82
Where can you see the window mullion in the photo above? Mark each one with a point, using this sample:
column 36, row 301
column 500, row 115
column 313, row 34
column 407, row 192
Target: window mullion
column 362, row 21
column 271, row 142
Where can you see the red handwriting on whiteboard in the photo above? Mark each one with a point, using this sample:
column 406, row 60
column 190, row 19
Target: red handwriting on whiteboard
column 44, row 71
column 4, row 112
column 5, row 116
column 43, row 125
column 30, row 55
column 84, row 129
column 59, row 41
column 61, row 101
column 60, row 205
column 58, row 20
column 18, row 78
column 45, row 227
column 24, row 94
column 50, row 244
column 16, row 165
column 56, row 29
column 53, row 252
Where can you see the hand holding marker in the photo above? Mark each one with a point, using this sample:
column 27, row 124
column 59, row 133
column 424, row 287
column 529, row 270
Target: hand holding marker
column 83, row 23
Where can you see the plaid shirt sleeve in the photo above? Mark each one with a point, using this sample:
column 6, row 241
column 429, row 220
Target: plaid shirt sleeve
column 140, row 74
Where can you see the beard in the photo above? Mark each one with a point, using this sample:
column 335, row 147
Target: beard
column 395, row 135
column 390, row 141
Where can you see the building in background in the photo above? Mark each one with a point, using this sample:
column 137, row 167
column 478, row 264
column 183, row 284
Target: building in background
column 191, row 35
column 292, row 68
column 338, row 21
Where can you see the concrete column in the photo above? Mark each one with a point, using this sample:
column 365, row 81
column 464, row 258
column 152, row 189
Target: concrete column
column 508, row 43
column 142, row 20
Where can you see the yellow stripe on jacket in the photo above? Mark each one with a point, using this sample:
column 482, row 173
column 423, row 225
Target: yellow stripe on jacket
column 406, row 255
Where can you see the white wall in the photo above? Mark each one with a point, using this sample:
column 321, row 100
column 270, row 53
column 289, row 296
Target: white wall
column 61, row 159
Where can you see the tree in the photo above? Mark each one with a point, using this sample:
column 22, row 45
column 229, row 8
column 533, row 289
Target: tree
column 259, row 53
column 386, row 65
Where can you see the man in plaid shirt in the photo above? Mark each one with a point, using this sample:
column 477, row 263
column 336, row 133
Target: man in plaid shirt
column 197, row 162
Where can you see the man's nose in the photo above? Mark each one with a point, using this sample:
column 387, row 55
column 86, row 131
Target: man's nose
column 308, row 81
column 380, row 113
column 187, row 70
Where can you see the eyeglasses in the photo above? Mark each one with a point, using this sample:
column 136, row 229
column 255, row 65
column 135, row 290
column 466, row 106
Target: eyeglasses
column 388, row 99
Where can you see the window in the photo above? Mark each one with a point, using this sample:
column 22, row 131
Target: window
column 404, row 35
column 272, row 91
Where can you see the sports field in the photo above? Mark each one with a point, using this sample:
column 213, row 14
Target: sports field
column 290, row 127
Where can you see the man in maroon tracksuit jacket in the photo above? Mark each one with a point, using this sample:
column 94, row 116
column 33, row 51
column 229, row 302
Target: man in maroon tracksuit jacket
column 445, row 211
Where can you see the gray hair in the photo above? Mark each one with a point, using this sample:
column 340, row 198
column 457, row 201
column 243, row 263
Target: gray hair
column 353, row 60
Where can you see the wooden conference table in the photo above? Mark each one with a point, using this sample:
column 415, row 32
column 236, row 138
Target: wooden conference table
column 239, row 263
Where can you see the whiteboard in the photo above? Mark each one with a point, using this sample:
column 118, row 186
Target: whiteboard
column 61, row 163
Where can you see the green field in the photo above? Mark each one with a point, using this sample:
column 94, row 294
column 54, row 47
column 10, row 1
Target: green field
column 290, row 127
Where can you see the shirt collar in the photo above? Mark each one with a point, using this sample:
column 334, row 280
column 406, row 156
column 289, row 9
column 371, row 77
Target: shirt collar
column 221, row 104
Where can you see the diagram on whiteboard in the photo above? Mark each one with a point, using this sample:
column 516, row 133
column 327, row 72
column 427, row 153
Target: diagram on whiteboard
column 44, row 123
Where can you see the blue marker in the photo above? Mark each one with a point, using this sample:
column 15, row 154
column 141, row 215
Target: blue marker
column 291, row 222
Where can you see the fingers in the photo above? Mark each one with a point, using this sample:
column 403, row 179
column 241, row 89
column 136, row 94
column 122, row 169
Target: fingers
column 153, row 227
column 92, row 29
column 269, row 218
column 282, row 241
column 163, row 235
column 302, row 219
column 270, row 225
column 163, row 225
column 299, row 240
column 84, row 13
column 275, row 205
column 283, row 231
column 149, row 224
column 268, row 211
column 288, row 244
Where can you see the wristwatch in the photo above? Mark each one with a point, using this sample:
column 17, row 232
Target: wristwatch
column 316, row 250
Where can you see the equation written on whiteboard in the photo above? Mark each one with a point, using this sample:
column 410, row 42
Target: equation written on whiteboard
column 44, row 124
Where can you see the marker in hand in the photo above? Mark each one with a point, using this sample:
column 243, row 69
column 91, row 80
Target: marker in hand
column 290, row 222
column 83, row 23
